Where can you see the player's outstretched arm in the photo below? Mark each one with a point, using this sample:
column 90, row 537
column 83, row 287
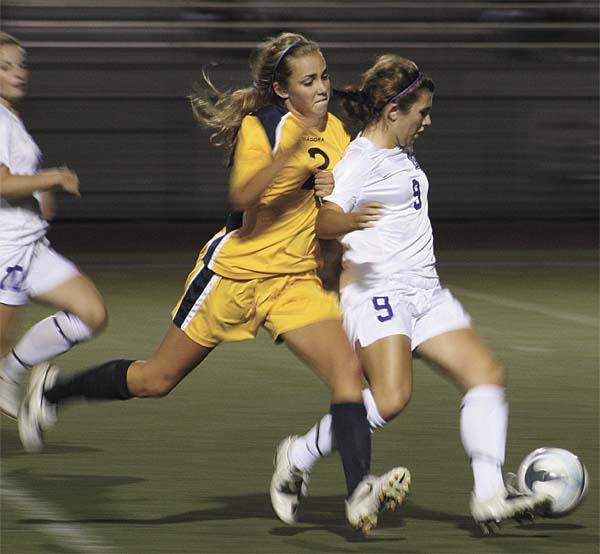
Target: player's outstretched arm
column 24, row 185
column 333, row 222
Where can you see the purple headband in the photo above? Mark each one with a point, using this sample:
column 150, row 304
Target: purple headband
column 283, row 55
column 406, row 90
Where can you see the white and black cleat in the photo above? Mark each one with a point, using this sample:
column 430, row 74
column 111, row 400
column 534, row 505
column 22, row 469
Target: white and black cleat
column 288, row 484
column 375, row 494
column 508, row 504
column 36, row 414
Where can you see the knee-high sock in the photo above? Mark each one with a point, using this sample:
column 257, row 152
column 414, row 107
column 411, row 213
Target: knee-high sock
column 319, row 442
column 483, row 425
column 45, row 340
column 353, row 439
column 104, row 382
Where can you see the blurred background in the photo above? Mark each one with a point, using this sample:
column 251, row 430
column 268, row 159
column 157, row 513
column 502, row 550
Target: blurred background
column 515, row 120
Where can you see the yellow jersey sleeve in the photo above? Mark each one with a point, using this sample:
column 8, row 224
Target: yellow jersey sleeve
column 252, row 152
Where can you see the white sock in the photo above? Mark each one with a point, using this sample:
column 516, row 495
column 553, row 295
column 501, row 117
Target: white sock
column 373, row 416
column 319, row 442
column 45, row 340
column 306, row 450
column 12, row 367
column 483, row 424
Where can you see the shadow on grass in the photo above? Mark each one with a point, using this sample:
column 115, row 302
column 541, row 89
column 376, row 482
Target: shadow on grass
column 10, row 444
column 321, row 513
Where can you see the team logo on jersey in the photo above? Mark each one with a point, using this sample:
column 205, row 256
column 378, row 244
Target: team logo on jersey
column 413, row 160
column 13, row 278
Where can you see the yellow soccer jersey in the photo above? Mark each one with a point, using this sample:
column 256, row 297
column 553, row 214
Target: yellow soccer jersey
column 277, row 236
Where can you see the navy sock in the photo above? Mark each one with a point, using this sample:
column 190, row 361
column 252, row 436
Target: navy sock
column 106, row 381
column 353, row 439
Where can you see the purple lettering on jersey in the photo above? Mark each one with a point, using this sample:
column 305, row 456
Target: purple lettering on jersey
column 414, row 161
column 417, row 204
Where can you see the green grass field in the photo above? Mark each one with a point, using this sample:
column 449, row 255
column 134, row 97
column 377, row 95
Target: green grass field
column 189, row 473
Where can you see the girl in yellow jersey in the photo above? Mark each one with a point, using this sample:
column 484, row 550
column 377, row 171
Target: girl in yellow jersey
column 260, row 270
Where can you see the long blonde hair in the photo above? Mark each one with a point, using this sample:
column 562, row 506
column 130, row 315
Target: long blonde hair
column 224, row 111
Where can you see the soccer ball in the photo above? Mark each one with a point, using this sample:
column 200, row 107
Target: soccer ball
column 555, row 472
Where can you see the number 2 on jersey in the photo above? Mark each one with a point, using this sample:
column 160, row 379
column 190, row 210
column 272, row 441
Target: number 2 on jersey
column 416, row 194
column 313, row 153
column 382, row 304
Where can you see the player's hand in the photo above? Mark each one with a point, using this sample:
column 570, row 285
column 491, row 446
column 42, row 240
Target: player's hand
column 324, row 183
column 367, row 215
column 69, row 181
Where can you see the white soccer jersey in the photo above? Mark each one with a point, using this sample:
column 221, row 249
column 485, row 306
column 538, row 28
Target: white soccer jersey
column 20, row 223
column 399, row 247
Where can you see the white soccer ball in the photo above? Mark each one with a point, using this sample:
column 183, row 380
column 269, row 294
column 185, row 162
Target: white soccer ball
column 557, row 473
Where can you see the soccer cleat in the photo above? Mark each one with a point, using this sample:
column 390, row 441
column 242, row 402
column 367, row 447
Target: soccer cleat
column 375, row 494
column 508, row 504
column 511, row 483
column 287, row 483
column 36, row 413
column 9, row 396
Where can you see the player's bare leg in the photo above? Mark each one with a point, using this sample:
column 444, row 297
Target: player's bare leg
column 81, row 315
column 116, row 379
column 176, row 356
column 9, row 382
column 484, row 418
column 325, row 347
column 387, row 364
column 80, row 297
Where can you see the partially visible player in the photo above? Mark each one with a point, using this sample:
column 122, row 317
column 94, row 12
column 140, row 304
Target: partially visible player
column 29, row 268
column 391, row 296
column 260, row 270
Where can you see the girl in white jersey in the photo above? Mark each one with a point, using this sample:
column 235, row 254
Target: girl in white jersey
column 391, row 296
column 29, row 268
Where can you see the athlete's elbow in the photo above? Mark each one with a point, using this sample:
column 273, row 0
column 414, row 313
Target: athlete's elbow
column 242, row 201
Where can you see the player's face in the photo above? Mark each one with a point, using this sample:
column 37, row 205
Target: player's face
column 409, row 126
column 307, row 91
column 13, row 72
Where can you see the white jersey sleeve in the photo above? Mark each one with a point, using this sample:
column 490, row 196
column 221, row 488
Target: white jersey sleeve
column 5, row 142
column 349, row 175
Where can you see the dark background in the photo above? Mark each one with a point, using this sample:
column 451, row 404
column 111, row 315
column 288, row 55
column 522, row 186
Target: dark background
column 515, row 119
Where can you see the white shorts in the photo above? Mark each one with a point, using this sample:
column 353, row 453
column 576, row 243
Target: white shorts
column 418, row 313
column 30, row 271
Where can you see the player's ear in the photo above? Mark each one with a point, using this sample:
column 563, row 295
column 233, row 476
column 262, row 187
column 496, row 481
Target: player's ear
column 280, row 91
column 392, row 112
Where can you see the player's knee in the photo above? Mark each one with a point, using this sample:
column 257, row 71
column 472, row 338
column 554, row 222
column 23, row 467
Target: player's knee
column 145, row 379
column 95, row 316
column 489, row 373
column 394, row 401
column 496, row 374
column 156, row 388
